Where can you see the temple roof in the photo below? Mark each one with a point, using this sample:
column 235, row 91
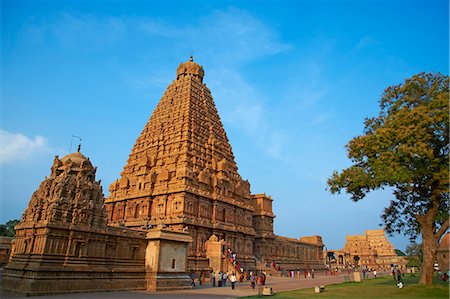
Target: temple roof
column 190, row 68
column 183, row 148
column 77, row 158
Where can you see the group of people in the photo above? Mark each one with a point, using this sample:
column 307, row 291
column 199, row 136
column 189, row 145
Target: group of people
column 365, row 272
column 232, row 257
column 397, row 275
column 257, row 279
column 306, row 273
column 220, row 279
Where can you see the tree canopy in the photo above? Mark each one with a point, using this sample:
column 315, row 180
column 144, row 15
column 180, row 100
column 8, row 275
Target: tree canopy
column 414, row 254
column 8, row 228
column 406, row 148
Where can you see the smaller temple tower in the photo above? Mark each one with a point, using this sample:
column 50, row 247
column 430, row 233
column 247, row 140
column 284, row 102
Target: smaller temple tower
column 63, row 243
column 70, row 196
column 63, row 235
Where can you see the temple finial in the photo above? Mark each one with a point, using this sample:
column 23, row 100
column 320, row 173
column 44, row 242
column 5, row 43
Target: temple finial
column 191, row 58
column 71, row 139
column 79, row 147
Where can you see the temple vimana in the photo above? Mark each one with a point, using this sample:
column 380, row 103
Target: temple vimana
column 177, row 207
column 371, row 250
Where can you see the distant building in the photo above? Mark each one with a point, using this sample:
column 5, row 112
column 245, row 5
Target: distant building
column 443, row 253
column 371, row 250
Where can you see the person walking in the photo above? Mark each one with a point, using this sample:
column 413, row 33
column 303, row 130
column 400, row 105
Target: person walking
column 375, row 273
column 219, row 279
column 193, row 280
column 232, row 280
column 253, row 280
column 213, row 278
column 399, row 279
column 224, row 279
column 200, row 278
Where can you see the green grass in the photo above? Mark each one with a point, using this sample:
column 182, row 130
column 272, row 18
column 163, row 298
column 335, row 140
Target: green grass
column 382, row 287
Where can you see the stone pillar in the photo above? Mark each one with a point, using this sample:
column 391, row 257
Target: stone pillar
column 166, row 260
column 214, row 253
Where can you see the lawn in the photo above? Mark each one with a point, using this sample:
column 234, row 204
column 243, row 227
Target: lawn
column 382, row 287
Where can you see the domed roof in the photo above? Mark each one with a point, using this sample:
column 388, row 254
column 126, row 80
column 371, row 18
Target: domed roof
column 77, row 159
column 190, row 68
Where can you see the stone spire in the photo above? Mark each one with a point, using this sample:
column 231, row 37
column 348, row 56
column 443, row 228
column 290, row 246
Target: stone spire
column 69, row 195
column 182, row 148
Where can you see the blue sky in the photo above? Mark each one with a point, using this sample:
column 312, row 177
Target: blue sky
column 292, row 81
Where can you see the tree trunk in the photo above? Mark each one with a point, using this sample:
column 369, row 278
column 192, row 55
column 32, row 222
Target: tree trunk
column 429, row 257
column 429, row 246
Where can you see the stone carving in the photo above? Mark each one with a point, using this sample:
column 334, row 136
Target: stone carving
column 184, row 151
column 180, row 183
column 372, row 250
column 69, row 195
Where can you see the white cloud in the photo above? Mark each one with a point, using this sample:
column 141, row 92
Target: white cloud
column 241, row 103
column 17, row 147
column 242, row 107
column 225, row 40
column 87, row 30
column 366, row 42
column 225, row 37
column 230, row 36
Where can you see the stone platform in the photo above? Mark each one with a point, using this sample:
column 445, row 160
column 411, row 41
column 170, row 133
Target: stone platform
column 278, row 284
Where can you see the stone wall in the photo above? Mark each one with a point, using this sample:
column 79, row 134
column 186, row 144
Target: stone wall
column 289, row 253
column 54, row 259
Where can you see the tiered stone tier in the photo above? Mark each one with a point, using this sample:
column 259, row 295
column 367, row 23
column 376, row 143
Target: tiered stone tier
column 181, row 172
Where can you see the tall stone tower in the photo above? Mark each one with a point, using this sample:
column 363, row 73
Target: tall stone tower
column 181, row 173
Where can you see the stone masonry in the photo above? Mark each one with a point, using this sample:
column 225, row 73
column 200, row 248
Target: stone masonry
column 181, row 173
column 179, row 206
column 63, row 243
column 371, row 250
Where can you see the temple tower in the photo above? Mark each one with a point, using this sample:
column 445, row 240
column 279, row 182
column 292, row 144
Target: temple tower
column 181, row 173
column 63, row 243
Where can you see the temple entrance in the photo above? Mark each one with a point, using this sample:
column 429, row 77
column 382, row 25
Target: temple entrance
column 331, row 258
column 356, row 260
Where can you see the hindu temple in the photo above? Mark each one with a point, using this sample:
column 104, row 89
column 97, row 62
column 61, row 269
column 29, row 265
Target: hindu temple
column 371, row 250
column 179, row 199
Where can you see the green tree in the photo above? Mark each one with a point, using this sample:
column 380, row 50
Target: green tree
column 8, row 228
column 414, row 255
column 406, row 148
